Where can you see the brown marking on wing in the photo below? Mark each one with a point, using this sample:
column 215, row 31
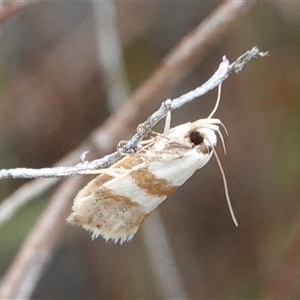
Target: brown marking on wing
column 93, row 185
column 150, row 184
column 125, row 163
column 104, row 193
column 108, row 214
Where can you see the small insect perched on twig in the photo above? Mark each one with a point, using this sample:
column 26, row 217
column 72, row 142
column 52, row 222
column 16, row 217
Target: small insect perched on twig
column 117, row 202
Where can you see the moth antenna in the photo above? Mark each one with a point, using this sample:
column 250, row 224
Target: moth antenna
column 167, row 123
column 222, row 140
column 217, row 103
column 225, row 129
column 225, row 187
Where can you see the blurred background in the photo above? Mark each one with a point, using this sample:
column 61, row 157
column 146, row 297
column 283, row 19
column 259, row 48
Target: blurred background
column 54, row 92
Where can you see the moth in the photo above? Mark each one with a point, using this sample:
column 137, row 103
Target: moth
column 116, row 203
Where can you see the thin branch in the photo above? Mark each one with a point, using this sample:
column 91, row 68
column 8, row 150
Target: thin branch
column 224, row 70
column 32, row 189
column 19, row 198
column 37, row 251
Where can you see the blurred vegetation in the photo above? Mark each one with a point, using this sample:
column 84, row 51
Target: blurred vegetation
column 52, row 96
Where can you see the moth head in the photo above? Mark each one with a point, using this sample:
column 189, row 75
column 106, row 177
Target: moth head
column 202, row 134
column 203, row 137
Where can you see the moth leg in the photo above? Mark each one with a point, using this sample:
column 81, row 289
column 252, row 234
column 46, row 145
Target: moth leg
column 83, row 156
column 119, row 147
column 121, row 144
column 123, row 154
column 167, row 123
column 161, row 135
column 158, row 157
column 139, row 126
column 147, row 142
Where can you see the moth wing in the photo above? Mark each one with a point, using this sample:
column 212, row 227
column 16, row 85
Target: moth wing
column 115, row 207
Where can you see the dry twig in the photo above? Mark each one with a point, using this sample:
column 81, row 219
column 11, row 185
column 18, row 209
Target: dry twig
column 224, row 70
